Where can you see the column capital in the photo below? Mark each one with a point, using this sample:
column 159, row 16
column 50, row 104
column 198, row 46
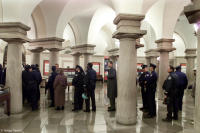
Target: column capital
column 192, row 12
column 165, row 45
column 51, row 43
column 191, row 53
column 113, row 52
column 83, row 49
column 14, row 32
column 128, row 26
column 37, row 50
column 151, row 53
column 75, row 54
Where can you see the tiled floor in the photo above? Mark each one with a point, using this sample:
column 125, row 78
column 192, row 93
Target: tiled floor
column 48, row 120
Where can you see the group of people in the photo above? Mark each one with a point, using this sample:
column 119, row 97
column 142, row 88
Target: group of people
column 83, row 82
column 31, row 79
column 173, row 87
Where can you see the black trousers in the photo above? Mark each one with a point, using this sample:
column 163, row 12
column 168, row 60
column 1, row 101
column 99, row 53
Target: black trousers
column 172, row 107
column 180, row 99
column 144, row 98
column 112, row 102
column 52, row 96
column 78, row 100
column 151, row 103
column 91, row 95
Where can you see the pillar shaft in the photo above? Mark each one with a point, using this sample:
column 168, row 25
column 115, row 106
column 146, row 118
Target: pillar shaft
column 76, row 60
column 127, row 102
column 197, row 92
column 189, row 70
column 15, row 34
column 13, row 75
column 163, row 66
column 87, row 58
column 36, row 58
column 164, row 47
column 127, row 25
column 148, row 60
column 54, row 58
column 114, row 60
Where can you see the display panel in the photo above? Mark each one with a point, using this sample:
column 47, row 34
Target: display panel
column 46, row 67
column 96, row 67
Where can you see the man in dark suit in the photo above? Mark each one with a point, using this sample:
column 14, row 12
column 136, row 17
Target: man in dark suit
column 112, row 86
column 90, row 85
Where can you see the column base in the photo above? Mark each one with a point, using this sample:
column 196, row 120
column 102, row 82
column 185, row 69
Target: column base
column 126, row 121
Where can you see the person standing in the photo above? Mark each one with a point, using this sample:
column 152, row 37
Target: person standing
column 50, row 85
column 182, row 85
column 25, row 80
column 78, row 82
column 90, row 85
column 39, row 79
column 151, row 90
column 111, row 86
column 60, row 85
column 171, row 91
column 32, row 88
column 142, row 82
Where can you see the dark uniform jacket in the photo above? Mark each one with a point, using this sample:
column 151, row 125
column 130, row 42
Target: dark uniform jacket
column 143, row 79
column 112, row 83
column 90, row 79
column 78, row 80
column 51, row 80
column 183, row 81
column 152, row 82
column 171, row 85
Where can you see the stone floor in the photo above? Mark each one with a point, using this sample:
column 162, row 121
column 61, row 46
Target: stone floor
column 48, row 120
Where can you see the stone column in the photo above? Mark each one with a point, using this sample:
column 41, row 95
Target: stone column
column 87, row 59
column 87, row 50
column 192, row 13
column 114, row 54
column 148, row 60
column 128, row 30
column 114, row 60
column 164, row 47
column 76, row 59
column 190, row 57
column 53, row 44
column 53, row 58
column 36, row 56
column 15, row 35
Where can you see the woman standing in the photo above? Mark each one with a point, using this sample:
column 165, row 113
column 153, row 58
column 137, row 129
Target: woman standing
column 78, row 82
column 60, row 85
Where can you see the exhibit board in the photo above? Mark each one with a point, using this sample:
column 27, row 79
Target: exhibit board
column 69, row 73
column 46, row 68
column 96, row 67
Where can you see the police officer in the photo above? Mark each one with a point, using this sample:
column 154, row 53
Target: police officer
column 182, row 85
column 32, row 88
column 38, row 77
column 90, row 85
column 151, row 90
column 171, row 91
column 50, row 82
column 78, row 82
column 142, row 82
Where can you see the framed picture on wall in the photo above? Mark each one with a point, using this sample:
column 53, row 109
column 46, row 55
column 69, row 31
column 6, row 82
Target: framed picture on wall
column 46, row 67
column 96, row 67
